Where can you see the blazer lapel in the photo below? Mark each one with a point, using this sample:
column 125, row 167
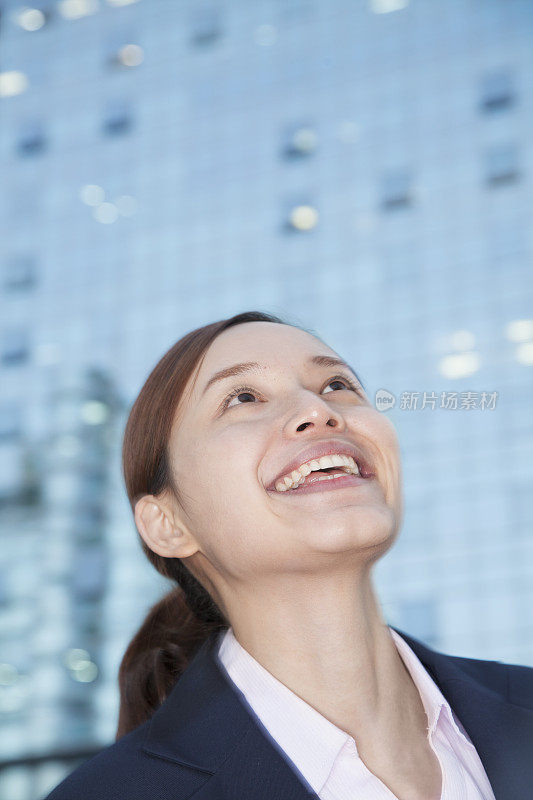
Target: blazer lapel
column 206, row 726
column 501, row 732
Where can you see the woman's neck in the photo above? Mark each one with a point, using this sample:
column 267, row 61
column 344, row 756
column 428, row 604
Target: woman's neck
column 328, row 642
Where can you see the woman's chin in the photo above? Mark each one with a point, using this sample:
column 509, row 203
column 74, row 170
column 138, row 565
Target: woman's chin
column 370, row 529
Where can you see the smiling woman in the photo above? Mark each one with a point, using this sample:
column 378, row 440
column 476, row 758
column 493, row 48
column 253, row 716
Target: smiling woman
column 265, row 485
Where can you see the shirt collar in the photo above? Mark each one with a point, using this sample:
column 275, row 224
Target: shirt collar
column 305, row 735
column 432, row 698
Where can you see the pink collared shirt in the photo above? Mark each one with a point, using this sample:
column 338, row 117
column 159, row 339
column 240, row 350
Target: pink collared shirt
column 327, row 756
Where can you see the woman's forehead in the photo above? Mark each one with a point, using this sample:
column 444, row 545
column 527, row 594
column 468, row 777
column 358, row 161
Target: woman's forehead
column 265, row 342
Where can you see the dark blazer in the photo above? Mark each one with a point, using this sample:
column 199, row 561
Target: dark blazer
column 205, row 742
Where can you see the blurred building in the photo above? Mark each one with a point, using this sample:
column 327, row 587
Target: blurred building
column 363, row 168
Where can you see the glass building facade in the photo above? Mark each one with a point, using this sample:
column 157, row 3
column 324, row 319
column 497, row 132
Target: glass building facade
column 363, row 168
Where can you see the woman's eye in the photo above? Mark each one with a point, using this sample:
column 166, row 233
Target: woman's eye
column 347, row 384
column 241, row 390
column 247, row 390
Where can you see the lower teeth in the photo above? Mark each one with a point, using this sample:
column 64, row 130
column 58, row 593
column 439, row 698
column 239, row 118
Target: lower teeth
column 325, row 478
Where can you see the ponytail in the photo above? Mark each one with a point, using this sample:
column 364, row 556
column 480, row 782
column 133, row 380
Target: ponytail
column 159, row 652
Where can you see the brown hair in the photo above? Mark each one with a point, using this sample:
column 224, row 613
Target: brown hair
column 179, row 623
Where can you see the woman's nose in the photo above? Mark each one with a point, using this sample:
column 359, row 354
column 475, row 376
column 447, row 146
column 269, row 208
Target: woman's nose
column 319, row 415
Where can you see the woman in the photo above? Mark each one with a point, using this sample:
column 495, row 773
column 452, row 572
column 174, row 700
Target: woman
column 268, row 671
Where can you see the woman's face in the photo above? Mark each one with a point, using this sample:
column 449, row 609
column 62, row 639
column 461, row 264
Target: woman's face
column 225, row 451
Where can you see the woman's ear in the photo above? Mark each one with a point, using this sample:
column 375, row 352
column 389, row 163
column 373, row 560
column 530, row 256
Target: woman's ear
column 155, row 523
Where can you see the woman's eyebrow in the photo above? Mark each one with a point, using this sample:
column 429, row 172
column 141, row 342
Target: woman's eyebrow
column 253, row 366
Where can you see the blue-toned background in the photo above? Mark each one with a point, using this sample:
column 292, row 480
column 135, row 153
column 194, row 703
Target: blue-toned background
column 361, row 167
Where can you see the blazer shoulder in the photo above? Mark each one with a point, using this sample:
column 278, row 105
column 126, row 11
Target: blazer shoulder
column 520, row 685
column 514, row 681
column 115, row 772
column 125, row 771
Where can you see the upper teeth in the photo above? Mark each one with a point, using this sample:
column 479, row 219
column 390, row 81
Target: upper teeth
column 297, row 476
